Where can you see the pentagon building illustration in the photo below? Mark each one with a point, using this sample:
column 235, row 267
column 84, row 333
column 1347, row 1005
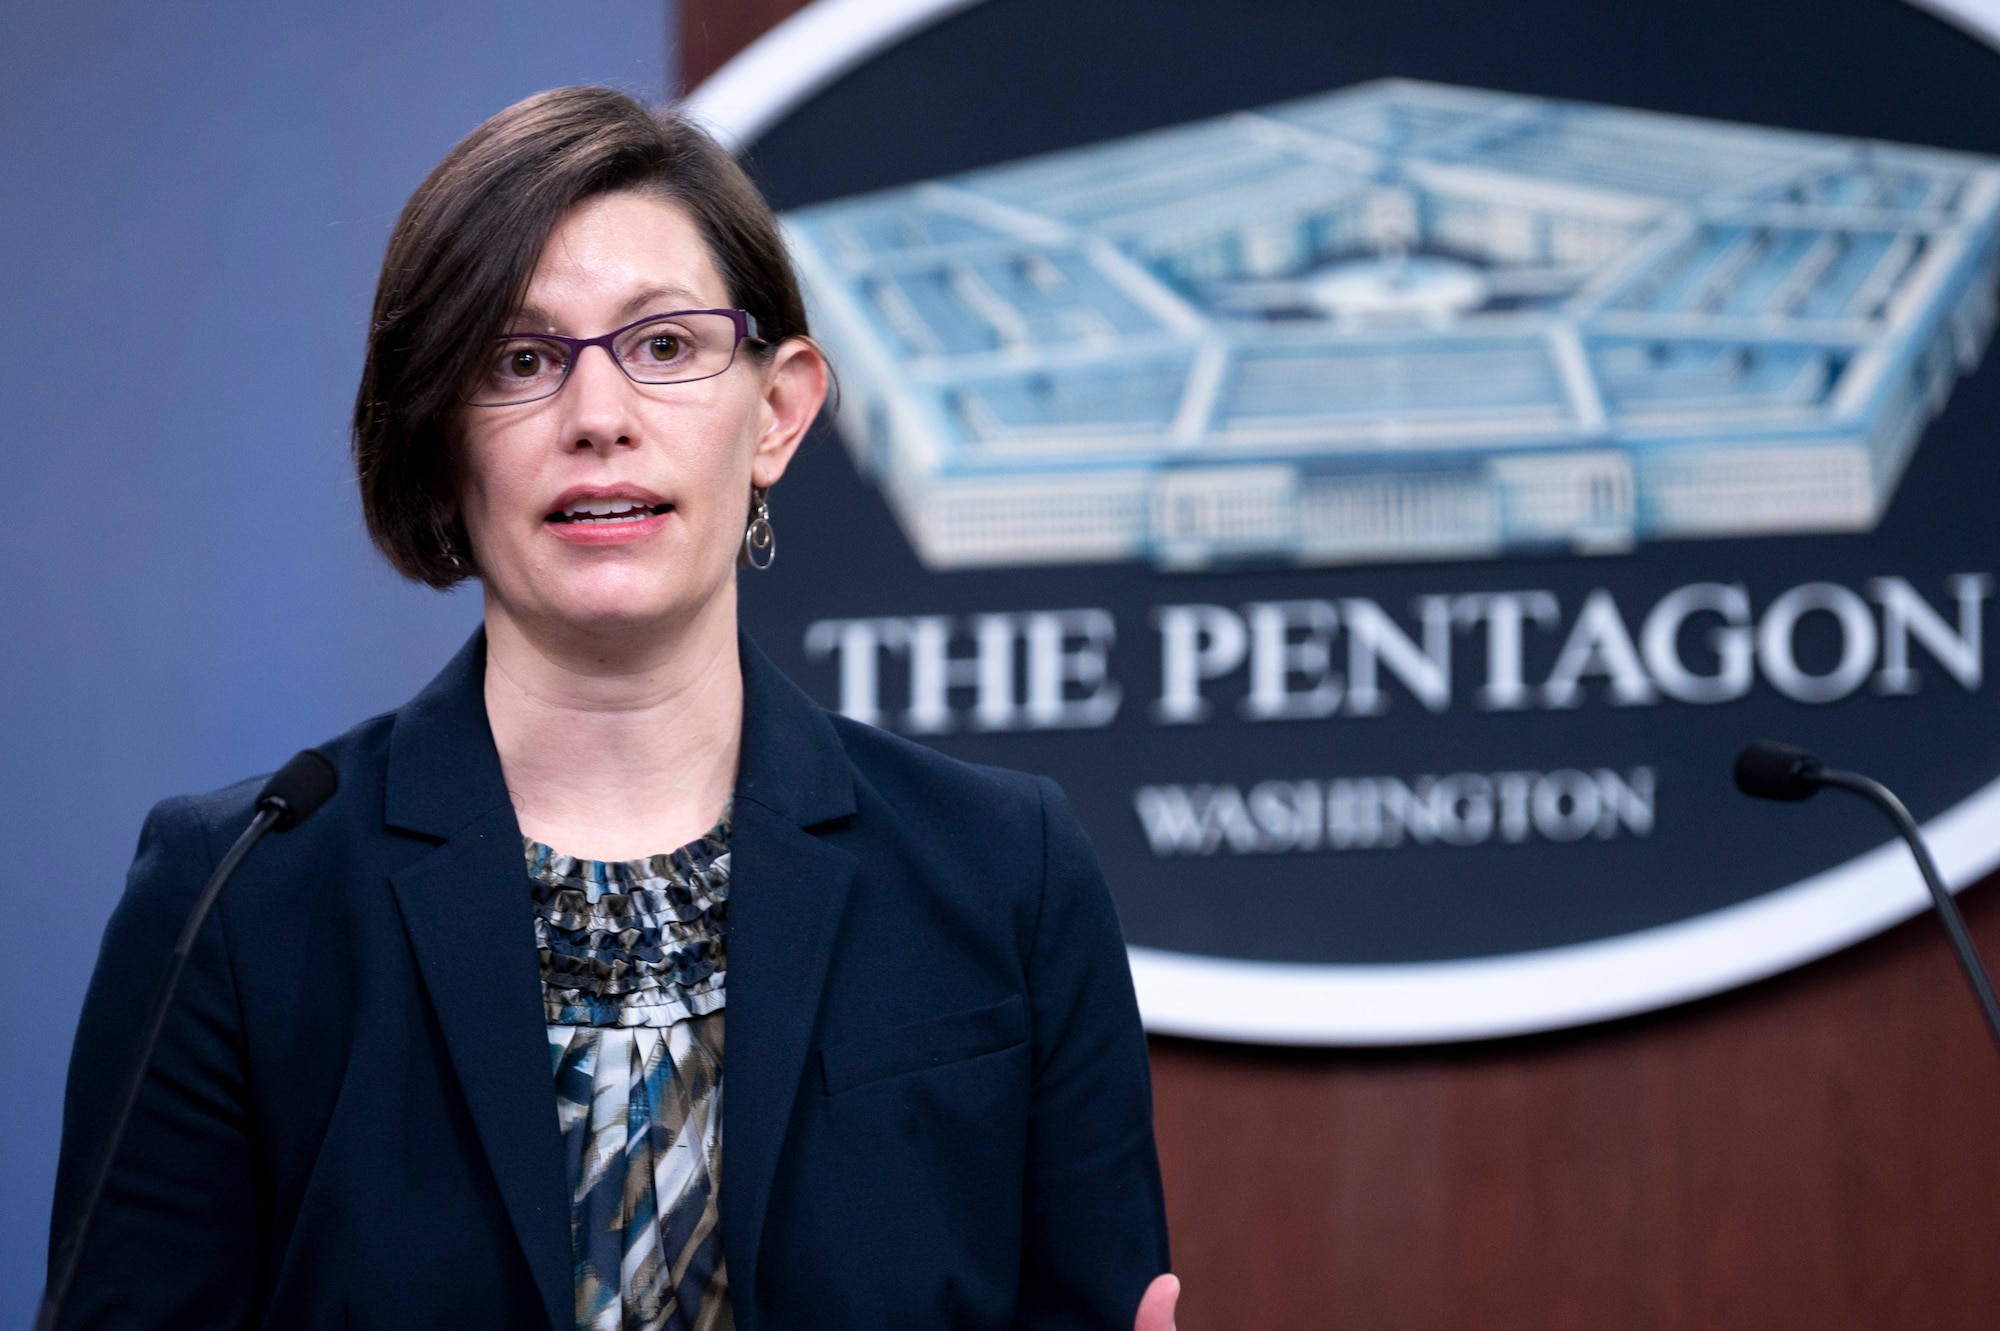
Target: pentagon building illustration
column 1401, row 321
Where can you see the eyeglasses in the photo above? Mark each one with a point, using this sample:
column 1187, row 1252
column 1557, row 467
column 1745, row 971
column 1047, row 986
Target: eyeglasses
column 674, row 348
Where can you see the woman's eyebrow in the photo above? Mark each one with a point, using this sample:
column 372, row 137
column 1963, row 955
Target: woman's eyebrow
column 653, row 300
column 529, row 318
column 660, row 300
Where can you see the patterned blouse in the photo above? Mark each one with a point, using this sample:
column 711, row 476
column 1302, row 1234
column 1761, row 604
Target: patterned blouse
column 632, row 956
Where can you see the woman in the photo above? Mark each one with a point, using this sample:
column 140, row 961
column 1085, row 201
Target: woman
column 452, row 1053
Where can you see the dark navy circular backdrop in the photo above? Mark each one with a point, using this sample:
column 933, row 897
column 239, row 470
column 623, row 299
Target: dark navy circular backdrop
column 1010, row 78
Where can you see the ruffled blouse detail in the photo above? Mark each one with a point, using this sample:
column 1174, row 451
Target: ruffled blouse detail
column 632, row 959
column 632, row 942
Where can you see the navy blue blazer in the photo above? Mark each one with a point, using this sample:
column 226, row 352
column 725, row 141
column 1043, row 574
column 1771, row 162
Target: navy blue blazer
column 935, row 1101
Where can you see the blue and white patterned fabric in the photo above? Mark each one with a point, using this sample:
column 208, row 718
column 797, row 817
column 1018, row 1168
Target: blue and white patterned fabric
column 632, row 955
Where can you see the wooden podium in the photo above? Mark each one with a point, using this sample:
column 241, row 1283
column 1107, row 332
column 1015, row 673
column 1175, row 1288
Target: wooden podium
column 1821, row 1150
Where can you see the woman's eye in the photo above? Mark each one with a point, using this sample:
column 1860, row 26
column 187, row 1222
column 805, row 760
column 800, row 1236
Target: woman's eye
column 663, row 347
column 526, row 360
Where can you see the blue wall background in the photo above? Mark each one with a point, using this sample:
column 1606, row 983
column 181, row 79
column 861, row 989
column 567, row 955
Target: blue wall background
column 193, row 202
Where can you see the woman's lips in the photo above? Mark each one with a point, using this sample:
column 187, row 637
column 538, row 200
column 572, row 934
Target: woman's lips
column 624, row 522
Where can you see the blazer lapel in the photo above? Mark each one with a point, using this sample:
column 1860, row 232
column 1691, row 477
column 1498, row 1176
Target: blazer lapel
column 474, row 940
column 475, row 944
column 787, row 891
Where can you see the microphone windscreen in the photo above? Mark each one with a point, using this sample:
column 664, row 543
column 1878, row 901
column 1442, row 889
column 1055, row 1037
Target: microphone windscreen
column 300, row 787
column 1773, row 771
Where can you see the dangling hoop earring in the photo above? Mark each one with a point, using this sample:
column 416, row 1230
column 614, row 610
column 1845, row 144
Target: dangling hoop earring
column 760, row 543
column 449, row 548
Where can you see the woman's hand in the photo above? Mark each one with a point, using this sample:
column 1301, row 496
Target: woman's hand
column 1156, row 1309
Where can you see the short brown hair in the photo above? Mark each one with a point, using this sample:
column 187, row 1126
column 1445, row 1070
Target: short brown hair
column 461, row 257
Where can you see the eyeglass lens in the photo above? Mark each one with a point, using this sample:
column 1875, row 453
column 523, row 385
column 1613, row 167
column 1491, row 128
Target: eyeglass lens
column 672, row 349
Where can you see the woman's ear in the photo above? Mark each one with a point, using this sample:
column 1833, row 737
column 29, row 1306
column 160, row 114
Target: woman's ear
column 795, row 384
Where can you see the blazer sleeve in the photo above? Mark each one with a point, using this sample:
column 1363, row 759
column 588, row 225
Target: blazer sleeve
column 1096, row 1230
column 176, row 1241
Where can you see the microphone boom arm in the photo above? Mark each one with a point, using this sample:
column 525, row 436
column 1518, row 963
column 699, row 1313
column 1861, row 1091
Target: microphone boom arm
column 288, row 798
column 1947, row 907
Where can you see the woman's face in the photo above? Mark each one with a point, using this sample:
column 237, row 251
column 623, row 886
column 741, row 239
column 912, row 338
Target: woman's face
column 673, row 463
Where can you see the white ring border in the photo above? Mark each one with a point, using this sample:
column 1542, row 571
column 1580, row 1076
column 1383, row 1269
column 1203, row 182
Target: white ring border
column 1427, row 1002
column 764, row 81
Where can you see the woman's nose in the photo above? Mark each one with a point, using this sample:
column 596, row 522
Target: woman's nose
column 600, row 402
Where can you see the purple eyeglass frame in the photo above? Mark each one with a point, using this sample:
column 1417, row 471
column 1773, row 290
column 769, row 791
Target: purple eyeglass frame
column 746, row 331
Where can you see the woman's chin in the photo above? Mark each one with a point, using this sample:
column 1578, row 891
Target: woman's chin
column 620, row 608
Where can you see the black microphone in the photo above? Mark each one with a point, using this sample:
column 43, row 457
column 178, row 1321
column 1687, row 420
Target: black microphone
column 1773, row 771
column 291, row 796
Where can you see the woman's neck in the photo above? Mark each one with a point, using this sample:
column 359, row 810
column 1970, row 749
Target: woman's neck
column 616, row 747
